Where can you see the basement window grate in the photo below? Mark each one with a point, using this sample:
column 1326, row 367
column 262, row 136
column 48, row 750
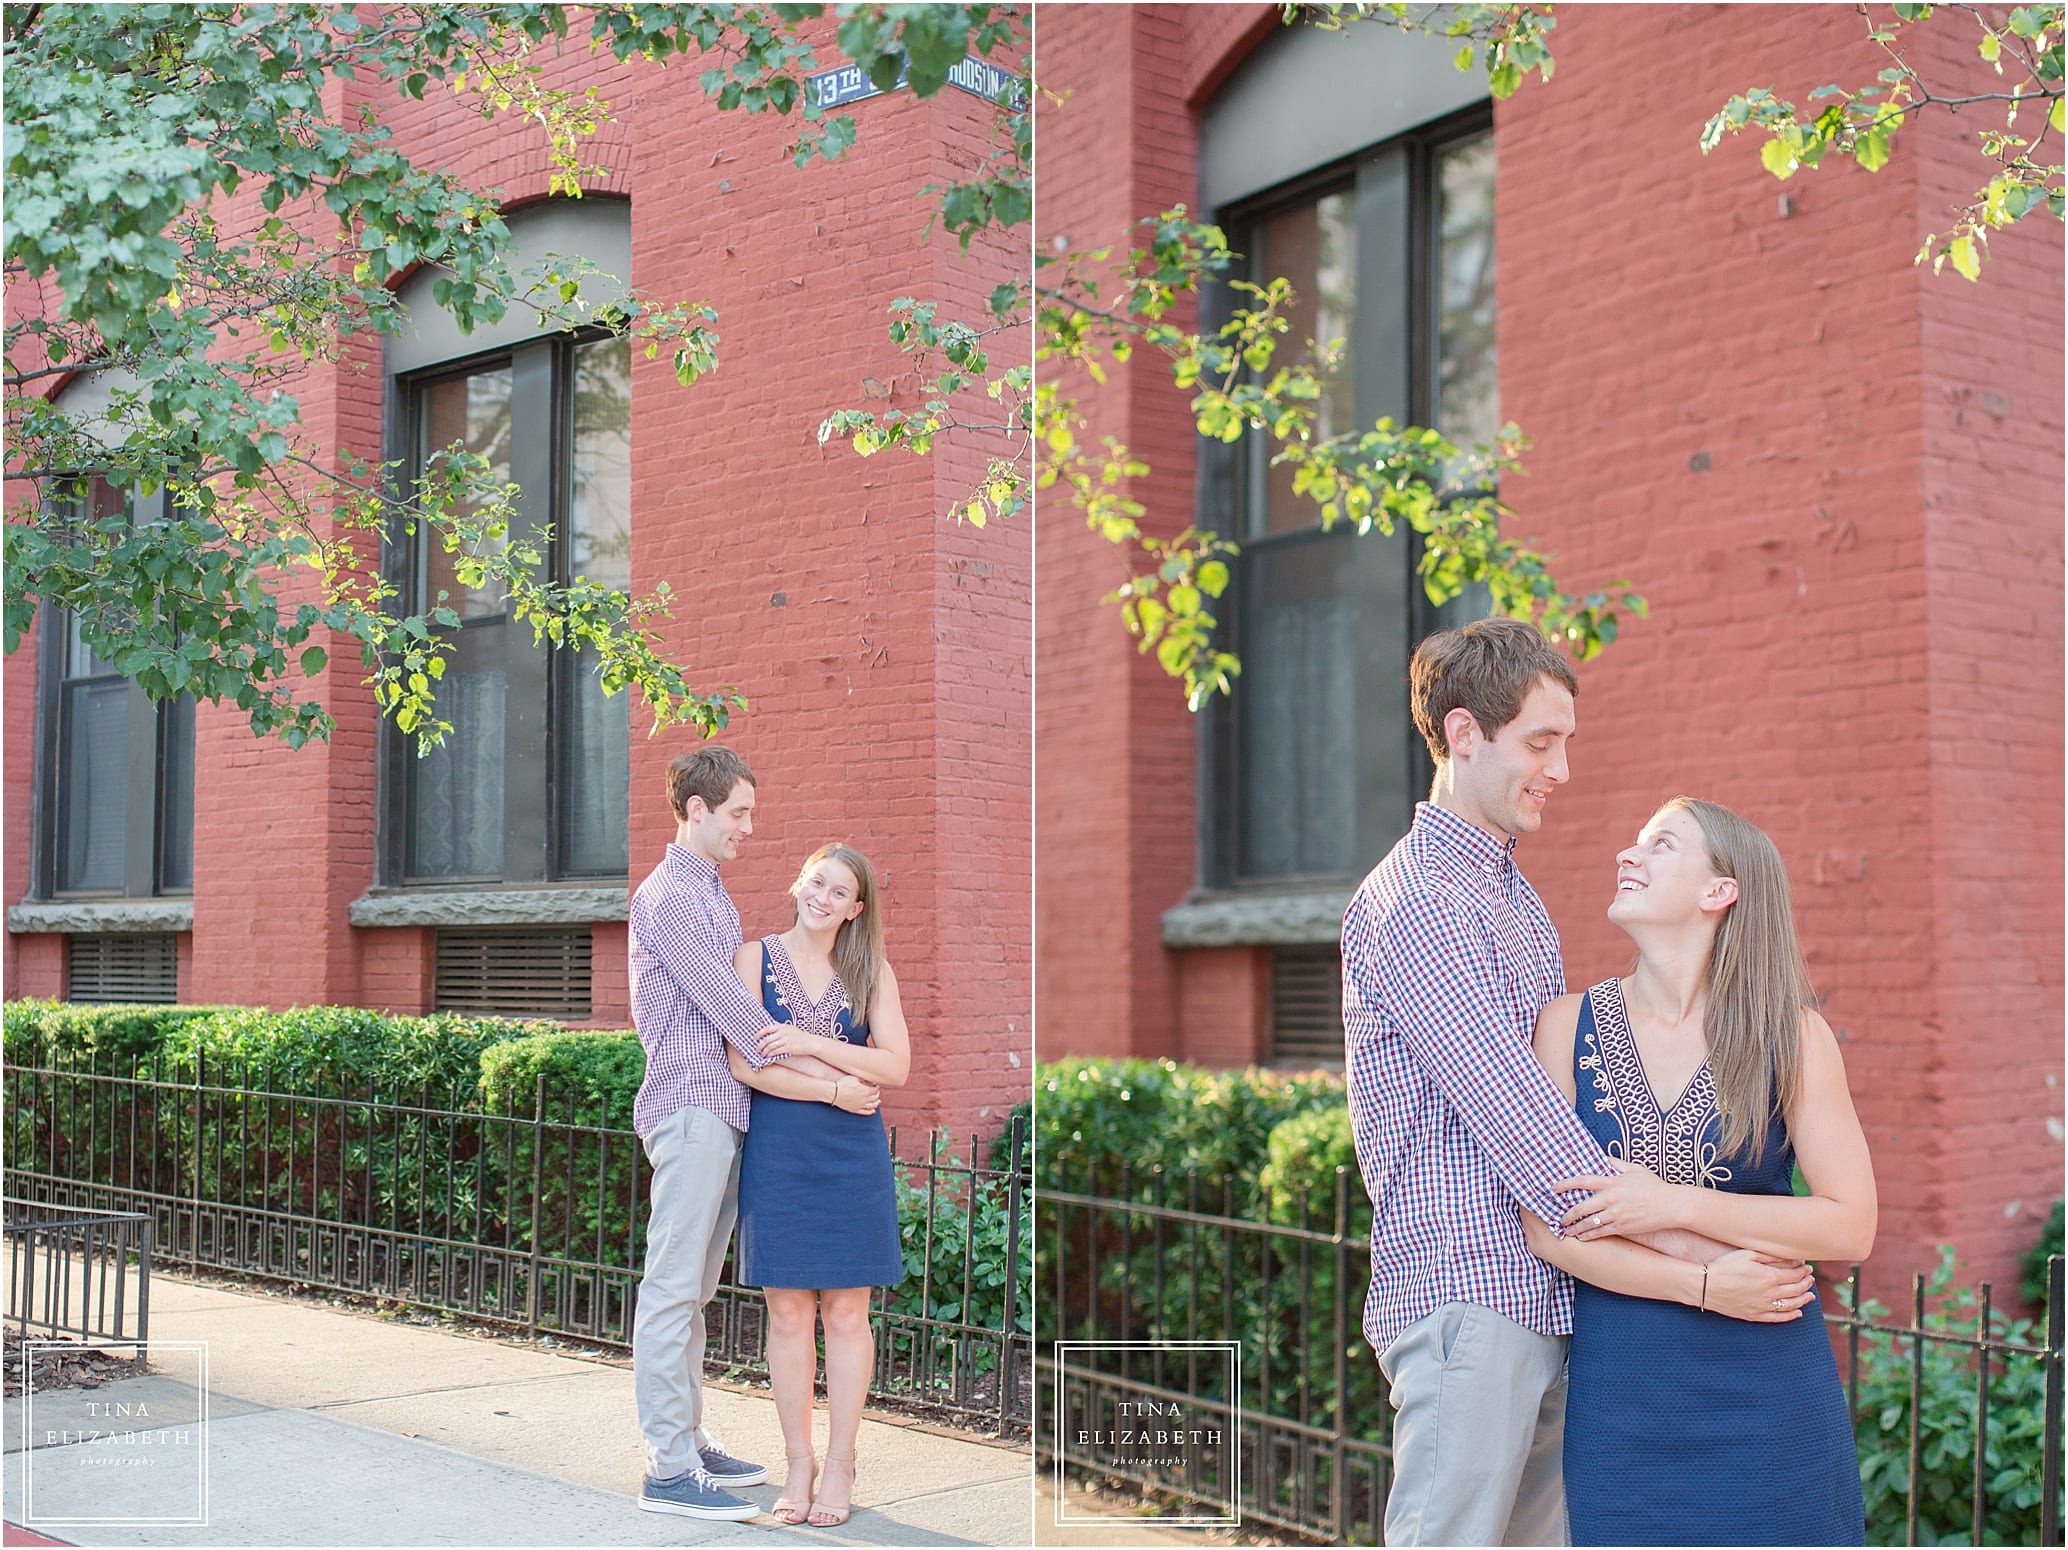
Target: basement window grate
column 1307, row 1005
column 500, row 973
column 122, row 967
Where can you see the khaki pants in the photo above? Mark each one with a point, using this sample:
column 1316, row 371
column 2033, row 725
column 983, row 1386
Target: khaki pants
column 694, row 1201
column 1479, row 1439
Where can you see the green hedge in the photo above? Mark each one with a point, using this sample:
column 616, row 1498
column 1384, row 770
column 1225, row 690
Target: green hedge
column 1265, row 1147
column 263, row 1132
column 322, row 1049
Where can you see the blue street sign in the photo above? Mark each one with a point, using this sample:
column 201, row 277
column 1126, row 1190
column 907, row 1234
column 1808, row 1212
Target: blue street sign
column 981, row 79
column 838, row 87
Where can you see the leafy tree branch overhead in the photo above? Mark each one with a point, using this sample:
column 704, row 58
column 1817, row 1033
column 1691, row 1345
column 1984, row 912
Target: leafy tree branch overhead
column 127, row 129
column 2018, row 73
column 1389, row 475
column 1095, row 308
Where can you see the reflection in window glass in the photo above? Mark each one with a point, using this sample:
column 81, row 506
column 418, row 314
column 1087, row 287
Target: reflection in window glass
column 600, row 523
column 473, row 411
column 456, row 800
column 595, row 746
column 176, row 795
column 81, row 661
column 93, row 790
column 1314, row 246
column 1299, row 781
column 1467, row 406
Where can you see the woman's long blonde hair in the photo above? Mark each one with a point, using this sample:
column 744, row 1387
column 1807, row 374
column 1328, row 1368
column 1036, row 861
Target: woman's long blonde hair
column 858, row 944
column 1758, row 982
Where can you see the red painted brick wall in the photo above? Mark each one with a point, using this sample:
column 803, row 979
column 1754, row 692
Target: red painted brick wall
column 886, row 652
column 1857, row 626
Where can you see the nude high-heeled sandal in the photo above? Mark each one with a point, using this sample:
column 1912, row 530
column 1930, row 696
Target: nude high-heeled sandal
column 830, row 1516
column 791, row 1508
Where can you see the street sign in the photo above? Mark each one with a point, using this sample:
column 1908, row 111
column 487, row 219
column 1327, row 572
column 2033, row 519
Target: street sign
column 838, row 87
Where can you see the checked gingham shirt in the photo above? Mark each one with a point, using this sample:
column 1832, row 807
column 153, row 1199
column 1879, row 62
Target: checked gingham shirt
column 1448, row 956
column 687, row 1001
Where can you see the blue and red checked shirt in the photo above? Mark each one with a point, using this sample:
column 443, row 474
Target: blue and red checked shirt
column 1448, row 956
column 687, row 1000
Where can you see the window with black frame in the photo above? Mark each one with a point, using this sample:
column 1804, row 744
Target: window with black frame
column 1315, row 767
column 531, row 785
column 116, row 769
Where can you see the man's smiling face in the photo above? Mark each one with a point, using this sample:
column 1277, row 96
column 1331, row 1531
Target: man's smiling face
column 1502, row 782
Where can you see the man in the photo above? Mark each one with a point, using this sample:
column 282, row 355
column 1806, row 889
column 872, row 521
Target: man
column 1448, row 955
column 691, row 1115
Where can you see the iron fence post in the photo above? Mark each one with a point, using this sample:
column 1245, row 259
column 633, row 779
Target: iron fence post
column 2050, row 1426
column 538, row 1170
column 194, row 1204
column 148, row 1235
column 1983, row 1356
column 1338, row 1458
column 1910, row 1509
column 1015, row 1179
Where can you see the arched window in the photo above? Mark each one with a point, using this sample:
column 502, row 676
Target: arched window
column 1380, row 213
column 1382, row 218
column 531, row 786
column 115, row 771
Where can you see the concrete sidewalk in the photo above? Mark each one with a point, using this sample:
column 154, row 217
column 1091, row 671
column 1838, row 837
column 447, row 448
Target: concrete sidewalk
column 341, row 1428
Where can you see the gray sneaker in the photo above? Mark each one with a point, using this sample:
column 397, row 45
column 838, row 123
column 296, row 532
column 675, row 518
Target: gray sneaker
column 729, row 1471
column 695, row 1494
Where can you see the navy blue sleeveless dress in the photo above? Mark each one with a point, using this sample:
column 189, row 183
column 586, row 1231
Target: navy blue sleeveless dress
column 817, row 1207
column 1684, row 1427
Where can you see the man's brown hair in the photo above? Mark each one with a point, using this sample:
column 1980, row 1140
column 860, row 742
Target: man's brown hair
column 1488, row 668
column 709, row 772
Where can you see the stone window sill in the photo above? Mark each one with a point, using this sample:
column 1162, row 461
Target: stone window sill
column 492, row 907
column 1259, row 919
column 100, row 917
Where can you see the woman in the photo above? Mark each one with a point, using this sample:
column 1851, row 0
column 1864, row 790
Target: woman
column 1707, row 1080
column 818, row 1211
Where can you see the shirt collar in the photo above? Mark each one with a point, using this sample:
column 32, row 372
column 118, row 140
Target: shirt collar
column 690, row 864
column 1462, row 837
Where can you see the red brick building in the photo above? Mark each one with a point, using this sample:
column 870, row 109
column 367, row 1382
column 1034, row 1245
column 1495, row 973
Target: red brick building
column 1837, row 478
column 885, row 650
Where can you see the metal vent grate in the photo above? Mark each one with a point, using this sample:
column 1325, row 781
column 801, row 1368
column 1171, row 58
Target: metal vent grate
column 1307, row 1004
column 502, row 973
column 124, row 967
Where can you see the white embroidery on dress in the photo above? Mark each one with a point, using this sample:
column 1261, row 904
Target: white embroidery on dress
column 820, row 1018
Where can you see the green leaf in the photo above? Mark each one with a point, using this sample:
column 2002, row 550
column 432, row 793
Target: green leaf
column 1777, row 158
column 1871, row 149
column 313, row 661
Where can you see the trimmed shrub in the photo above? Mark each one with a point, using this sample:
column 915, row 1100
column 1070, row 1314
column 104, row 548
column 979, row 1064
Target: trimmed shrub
column 599, row 1072
column 448, row 1152
column 60, row 1033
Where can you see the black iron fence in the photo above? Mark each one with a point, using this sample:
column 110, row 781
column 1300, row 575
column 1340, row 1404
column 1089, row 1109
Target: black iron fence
column 531, row 1220
column 77, row 1272
column 1150, row 1268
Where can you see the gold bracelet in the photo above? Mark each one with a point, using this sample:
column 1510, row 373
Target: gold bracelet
column 835, row 1101
column 1700, row 1307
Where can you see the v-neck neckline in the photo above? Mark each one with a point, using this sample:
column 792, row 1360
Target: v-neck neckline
column 813, row 1003
column 1663, row 1110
